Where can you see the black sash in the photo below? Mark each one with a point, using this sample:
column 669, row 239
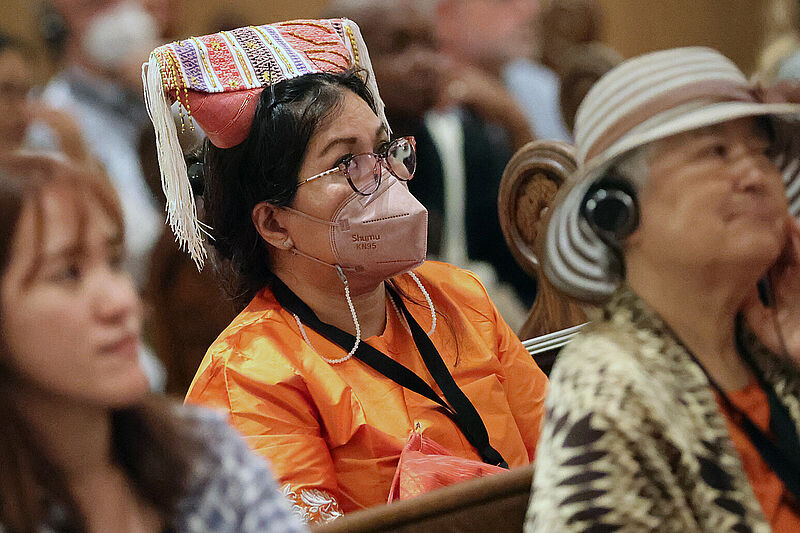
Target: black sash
column 456, row 404
column 782, row 453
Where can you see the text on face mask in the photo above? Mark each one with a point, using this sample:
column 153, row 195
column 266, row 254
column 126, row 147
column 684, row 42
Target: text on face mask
column 365, row 238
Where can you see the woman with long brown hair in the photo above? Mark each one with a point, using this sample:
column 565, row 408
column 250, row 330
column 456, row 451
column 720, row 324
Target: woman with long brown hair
column 84, row 446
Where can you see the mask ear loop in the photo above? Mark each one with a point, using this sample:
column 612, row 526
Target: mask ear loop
column 355, row 323
column 352, row 312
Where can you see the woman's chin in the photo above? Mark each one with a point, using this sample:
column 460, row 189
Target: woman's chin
column 125, row 391
column 756, row 254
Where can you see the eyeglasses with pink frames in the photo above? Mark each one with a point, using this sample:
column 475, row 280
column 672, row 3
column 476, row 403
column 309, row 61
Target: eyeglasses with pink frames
column 363, row 171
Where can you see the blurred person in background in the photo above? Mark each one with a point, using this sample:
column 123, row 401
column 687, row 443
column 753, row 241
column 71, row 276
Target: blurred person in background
column 565, row 24
column 475, row 55
column 344, row 331
column 460, row 154
column 19, row 108
column 104, row 45
column 679, row 408
column 85, row 446
column 498, row 39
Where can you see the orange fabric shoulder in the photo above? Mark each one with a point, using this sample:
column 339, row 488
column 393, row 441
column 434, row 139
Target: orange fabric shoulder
column 460, row 284
column 776, row 502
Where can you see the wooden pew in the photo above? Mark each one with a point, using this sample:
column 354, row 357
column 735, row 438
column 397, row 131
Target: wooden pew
column 494, row 504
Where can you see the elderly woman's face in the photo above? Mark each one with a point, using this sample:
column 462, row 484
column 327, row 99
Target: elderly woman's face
column 713, row 197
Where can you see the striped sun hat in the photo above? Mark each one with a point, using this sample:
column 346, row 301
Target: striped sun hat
column 642, row 100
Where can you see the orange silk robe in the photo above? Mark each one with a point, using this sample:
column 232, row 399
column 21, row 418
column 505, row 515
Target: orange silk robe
column 333, row 432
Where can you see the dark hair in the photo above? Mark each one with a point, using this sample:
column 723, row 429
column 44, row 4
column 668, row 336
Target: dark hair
column 149, row 443
column 264, row 168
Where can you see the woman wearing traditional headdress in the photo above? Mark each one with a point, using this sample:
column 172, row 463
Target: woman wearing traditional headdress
column 348, row 344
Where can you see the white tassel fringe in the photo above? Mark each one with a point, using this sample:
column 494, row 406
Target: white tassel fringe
column 181, row 208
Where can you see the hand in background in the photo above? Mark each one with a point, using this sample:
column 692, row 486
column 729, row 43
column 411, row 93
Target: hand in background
column 484, row 95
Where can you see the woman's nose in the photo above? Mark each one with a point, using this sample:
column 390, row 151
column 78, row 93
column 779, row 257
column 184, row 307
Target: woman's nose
column 755, row 173
column 115, row 297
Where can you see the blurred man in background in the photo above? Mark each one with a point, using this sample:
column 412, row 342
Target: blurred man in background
column 99, row 84
column 101, row 46
column 501, row 45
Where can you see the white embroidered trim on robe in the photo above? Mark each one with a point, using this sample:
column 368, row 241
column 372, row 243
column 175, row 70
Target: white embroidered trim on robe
column 313, row 505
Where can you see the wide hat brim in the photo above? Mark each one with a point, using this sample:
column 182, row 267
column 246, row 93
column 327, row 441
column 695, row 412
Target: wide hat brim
column 577, row 262
column 715, row 113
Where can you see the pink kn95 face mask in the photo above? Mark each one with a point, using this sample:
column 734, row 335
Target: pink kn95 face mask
column 377, row 236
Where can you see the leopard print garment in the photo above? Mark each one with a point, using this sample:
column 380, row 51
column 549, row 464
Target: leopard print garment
column 634, row 440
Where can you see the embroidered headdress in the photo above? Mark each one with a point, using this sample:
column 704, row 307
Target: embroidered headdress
column 217, row 79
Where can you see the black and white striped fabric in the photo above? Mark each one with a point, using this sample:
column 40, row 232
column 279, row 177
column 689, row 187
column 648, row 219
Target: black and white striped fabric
column 645, row 99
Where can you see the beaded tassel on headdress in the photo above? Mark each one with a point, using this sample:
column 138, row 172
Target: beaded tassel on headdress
column 361, row 57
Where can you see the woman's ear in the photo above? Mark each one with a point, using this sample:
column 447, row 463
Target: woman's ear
column 265, row 219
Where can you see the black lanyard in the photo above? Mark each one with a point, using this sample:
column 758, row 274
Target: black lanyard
column 782, row 453
column 457, row 406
